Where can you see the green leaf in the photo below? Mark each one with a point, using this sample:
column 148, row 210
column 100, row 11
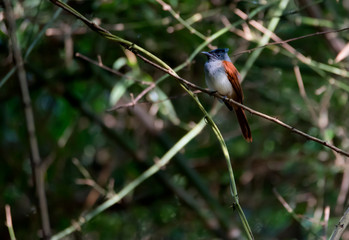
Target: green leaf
column 119, row 63
column 119, row 90
column 165, row 106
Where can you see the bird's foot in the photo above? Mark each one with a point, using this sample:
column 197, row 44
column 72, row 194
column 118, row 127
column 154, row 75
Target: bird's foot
column 225, row 99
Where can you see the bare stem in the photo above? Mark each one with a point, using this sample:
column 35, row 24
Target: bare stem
column 37, row 170
column 9, row 222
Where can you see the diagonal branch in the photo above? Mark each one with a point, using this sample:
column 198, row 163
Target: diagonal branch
column 167, row 7
column 341, row 226
column 117, row 73
column 279, row 41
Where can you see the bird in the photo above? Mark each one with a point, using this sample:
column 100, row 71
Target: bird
column 222, row 76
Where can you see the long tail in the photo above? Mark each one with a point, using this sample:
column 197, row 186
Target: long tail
column 245, row 128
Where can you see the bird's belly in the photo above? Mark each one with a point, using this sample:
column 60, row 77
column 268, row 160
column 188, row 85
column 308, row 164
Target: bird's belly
column 220, row 83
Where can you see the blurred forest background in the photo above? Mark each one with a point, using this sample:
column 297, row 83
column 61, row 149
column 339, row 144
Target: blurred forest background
column 288, row 187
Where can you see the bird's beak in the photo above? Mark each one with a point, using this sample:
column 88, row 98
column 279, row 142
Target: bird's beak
column 207, row 54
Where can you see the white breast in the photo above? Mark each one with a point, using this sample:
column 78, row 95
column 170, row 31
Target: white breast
column 216, row 78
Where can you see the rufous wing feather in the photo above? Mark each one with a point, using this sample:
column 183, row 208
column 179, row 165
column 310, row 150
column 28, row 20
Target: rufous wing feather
column 234, row 78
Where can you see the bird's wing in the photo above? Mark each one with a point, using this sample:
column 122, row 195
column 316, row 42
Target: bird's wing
column 234, row 77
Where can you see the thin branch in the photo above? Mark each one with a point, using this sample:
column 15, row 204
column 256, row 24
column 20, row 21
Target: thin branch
column 88, row 180
column 92, row 183
column 101, row 65
column 291, row 40
column 167, row 7
column 9, row 222
column 304, row 94
column 295, row 216
column 131, row 104
column 341, row 226
column 136, row 102
column 38, row 174
column 325, row 222
column 343, row 192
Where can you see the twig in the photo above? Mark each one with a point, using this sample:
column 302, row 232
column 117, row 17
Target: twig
column 284, row 203
column 37, row 170
column 343, row 191
column 101, row 65
column 92, row 183
column 291, row 40
column 303, row 93
column 341, row 226
column 139, row 96
column 9, row 222
column 135, row 101
column 288, row 208
column 88, row 180
column 167, row 7
column 325, row 222
column 316, row 12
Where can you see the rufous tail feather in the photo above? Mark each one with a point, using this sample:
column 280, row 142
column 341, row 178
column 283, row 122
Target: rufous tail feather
column 245, row 128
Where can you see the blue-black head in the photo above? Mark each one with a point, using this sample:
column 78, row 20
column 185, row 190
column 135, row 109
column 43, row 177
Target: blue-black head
column 218, row 54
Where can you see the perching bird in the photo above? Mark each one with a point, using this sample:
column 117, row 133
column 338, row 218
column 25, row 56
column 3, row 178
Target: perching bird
column 222, row 76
